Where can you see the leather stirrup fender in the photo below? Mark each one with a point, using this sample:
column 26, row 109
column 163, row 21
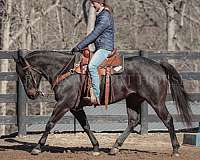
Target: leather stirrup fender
column 107, row 88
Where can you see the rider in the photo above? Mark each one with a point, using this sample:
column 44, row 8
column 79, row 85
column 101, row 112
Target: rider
column 103, row 38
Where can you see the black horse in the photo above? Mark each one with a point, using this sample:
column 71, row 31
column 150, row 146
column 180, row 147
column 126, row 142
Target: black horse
column 142, row 80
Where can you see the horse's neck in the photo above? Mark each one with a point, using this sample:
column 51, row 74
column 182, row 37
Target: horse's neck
column 50, row 65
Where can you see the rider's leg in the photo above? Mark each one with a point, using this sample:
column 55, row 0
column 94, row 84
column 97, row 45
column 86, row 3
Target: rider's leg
column 99, row 56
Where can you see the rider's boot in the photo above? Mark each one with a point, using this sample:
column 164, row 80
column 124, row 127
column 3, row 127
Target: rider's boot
column 92, row 99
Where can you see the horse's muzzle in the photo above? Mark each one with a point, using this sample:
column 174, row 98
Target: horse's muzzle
column 32, row 93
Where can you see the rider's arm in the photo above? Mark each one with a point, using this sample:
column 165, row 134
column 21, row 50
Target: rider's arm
column 103, row 23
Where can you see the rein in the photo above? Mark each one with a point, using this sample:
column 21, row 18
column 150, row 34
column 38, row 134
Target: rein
column 31, row 69
column 62, row 76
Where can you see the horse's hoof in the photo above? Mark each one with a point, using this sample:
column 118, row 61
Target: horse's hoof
column 176, row 155
column 68, row 151
column 114, row 151
column 96, row 153
column 35, row 151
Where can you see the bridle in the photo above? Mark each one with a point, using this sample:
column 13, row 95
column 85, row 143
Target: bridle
column 31, row 69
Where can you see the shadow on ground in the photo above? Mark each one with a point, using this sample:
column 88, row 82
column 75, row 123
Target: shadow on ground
column 27, row 147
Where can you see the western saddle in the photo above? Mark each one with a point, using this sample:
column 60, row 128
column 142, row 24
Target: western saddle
column 112, row 65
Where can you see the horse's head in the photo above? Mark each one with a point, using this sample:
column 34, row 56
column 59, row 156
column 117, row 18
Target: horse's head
column 29, row 76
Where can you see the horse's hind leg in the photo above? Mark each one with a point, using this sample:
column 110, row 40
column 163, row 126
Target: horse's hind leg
column 82, row 118
column 167, row 119
column 58, row 112
column 133, row 111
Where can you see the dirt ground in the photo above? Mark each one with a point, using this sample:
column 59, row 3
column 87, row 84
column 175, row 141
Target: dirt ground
column 154, row 146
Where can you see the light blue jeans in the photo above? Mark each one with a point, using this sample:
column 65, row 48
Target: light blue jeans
column 98, row 57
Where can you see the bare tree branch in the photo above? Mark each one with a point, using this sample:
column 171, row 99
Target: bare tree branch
column 69, row 11
column 19, row 33
column 188, row 17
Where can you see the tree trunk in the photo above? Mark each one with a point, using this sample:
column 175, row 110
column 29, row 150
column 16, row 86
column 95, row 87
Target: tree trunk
column 0, row 34
column 29, row 41
column 135, row 21
column 60, row 22
column 171, row 27
column 24, row 23
column 5, row 63
column 1, row 21
column 91, row 23
column 91, row 19
column 76, row 19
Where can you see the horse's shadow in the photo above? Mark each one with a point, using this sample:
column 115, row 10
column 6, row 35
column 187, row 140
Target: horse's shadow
column 27, row 147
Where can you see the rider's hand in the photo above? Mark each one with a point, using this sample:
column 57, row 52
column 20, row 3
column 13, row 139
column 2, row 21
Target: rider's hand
column 75, row 50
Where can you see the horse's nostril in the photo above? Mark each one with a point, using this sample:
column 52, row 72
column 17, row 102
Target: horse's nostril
column 32, row 93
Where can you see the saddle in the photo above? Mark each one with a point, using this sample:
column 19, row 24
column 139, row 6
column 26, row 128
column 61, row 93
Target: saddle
column 114, row 64
column 111, row 65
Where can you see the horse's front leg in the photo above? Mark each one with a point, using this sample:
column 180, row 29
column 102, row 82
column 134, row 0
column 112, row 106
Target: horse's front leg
column 58, row 112
column 82, row 119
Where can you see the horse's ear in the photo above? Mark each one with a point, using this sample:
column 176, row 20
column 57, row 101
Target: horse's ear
column 14, row 56
column 15, row 59
column 20, row 56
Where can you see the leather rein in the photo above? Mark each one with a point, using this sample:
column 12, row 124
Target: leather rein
column 62, row 76
column 58, row 78
column 30, row 70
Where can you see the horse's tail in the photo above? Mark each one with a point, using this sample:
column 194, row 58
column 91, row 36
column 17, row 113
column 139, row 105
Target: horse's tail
column 178, row 92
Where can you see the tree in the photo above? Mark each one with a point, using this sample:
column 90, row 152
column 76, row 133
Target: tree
column 5, row 63
column 1, row 20
column 91, row 22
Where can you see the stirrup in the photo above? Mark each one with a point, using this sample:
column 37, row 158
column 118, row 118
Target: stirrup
column 93, row 97
column 91, row 100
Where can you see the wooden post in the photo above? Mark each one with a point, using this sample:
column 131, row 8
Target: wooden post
column 21, row 109
column 74, row 125
column 192, row 139
column 144, row 109
column 144, row 118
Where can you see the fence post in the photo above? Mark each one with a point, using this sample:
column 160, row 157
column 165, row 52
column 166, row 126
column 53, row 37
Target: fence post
column 21, row 108
column 74, row 125
column 144, row 108
column 144, row 118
